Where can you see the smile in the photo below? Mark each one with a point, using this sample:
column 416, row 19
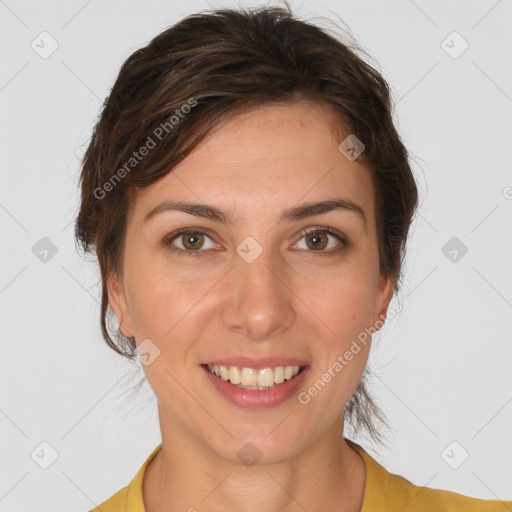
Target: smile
column 255, row 379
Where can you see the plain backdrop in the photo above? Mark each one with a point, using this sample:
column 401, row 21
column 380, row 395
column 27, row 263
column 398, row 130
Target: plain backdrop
column 442, row 368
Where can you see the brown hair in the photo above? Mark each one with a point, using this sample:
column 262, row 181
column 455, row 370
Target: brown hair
column 171, row 93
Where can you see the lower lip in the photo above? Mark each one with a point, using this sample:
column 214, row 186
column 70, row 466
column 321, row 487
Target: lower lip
column 255, row 398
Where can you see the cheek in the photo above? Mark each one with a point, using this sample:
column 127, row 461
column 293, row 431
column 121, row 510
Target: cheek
column 168, row 310
column 343, row 300
column 168, row 314
column 160, row 305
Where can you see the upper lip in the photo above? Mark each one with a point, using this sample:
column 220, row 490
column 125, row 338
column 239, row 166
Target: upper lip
column 262, row 362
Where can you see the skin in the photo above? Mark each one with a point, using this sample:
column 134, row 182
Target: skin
column 293, row 300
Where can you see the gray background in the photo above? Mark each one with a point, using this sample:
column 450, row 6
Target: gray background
column 441, row 368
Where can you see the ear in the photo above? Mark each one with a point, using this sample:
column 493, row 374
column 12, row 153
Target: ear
column 383, row 297
column 119, row 305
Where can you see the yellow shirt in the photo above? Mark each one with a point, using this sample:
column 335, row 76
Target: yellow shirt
column 383, row 492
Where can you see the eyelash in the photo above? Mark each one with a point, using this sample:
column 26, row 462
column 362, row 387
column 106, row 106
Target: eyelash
column 173, row 236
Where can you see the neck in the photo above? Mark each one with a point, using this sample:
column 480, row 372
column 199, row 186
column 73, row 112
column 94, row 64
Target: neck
column 188, row 475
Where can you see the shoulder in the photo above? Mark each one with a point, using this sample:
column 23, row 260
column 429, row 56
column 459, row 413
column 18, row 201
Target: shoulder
column 412, row 498
column 116, row 503
column 129, row 498
column 387, row 492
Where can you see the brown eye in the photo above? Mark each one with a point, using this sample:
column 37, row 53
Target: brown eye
column 317, row 240
column 322, row 241
column 193, row 240
column 189, row 242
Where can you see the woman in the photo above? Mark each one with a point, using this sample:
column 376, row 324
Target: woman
column 249, row 198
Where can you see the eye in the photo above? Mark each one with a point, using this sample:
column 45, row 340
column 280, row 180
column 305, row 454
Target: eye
column 189, row 241
column 317, row 239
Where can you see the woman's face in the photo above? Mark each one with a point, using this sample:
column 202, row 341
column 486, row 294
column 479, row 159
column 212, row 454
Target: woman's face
column 257, row 291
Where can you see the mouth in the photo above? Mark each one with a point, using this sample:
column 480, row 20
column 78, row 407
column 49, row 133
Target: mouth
column 255, row 379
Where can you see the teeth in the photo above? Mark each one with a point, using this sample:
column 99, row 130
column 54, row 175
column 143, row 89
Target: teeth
column 279, row 375
column 250, row 378
column 234, row 375
column 265, row 377
column 224, row 373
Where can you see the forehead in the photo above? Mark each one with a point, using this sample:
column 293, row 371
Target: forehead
column 277, row 155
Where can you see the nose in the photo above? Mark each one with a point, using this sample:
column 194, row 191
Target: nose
column 259, row 303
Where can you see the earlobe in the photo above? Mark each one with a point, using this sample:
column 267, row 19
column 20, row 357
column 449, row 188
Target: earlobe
column 118, row 304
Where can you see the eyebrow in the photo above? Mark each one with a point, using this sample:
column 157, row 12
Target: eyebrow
column 292, row 214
